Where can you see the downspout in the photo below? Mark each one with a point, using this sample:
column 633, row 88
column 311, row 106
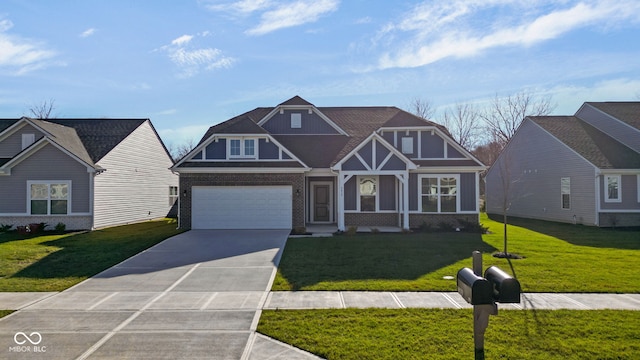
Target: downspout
column 179, row 199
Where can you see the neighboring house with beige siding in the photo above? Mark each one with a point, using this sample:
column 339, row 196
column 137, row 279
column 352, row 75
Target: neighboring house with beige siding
column 582, row 169
column 84, row 173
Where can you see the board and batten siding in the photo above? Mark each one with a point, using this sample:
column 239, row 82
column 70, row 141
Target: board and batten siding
column 135, row 185
column 535, row 163
column 47, row 164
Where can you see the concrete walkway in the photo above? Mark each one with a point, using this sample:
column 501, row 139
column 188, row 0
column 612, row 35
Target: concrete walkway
column 197, row 295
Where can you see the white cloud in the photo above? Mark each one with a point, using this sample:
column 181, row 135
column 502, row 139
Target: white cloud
column 465, row 28
column 88, row 32
column 570, row 97
column 19, row 56
column 293, row 14
column 242, row 7
column 191, row 60
column 276, row 15
column 182, row 40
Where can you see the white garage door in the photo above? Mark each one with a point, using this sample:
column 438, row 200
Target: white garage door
column 241, row 207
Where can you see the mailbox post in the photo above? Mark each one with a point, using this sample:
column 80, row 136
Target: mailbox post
column 483, row 293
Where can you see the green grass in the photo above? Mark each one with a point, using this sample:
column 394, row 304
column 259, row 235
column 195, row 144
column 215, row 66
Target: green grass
column 558, row 258
column 4, row 313
column 448, row 333
column 56, row 262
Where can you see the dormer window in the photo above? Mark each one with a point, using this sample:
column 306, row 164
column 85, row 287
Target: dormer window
column 27, row 140
column 242, row 148
column 296, row 120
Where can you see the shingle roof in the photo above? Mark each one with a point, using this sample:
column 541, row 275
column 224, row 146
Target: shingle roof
column 97, row 136
column 322, row 151
column 595, row 146
column 628, row 112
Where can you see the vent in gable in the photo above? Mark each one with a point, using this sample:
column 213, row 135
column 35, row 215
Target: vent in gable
column 296, row 120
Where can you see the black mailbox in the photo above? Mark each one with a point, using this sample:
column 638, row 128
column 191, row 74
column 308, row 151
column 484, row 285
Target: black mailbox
column 475, row 289
column 505, row 288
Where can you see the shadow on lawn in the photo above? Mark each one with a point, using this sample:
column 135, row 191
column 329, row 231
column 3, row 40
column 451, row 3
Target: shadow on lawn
column 620, row 238
column 309, row 261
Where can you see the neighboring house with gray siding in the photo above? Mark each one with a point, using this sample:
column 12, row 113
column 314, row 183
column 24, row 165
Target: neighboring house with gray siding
column 296, row 165
column 582, row 169
column 84, row 173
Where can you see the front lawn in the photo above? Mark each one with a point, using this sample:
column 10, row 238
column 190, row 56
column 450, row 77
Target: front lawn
column 558, row 258
column 448, row 333
column 51, row 262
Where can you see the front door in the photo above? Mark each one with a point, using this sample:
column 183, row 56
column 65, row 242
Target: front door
column 322, row 202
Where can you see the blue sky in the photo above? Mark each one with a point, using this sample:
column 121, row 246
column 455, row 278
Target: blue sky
column 191, row 64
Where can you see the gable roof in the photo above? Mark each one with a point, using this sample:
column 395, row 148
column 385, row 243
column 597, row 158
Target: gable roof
column 627, row 112
column 324, row 151
column 595, row 146
column 88, row 139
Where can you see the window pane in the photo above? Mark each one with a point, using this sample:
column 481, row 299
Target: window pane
column 59, row 191
column 367, row 203
column 429, row 186
column 430, row 203
column 566, row 201
column 39, row 191
column 368, row 186
column 448, row 186
column 38, row 207
column 448, row 204
column 407, row 145
column 235, row 147
column 612, row 185
column 58, row 207
column 249, row 147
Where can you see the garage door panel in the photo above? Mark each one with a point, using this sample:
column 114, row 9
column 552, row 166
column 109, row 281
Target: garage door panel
column 241, row 207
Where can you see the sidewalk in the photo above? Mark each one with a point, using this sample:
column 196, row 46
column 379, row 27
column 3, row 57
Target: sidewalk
column 395, row 300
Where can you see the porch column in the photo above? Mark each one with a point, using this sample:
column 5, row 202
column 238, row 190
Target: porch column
column 405, row 201
column 341, row 181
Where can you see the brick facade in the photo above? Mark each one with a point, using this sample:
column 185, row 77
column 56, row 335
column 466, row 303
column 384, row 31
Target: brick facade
column 433, row 220
column 296, row 181
column 371, row 219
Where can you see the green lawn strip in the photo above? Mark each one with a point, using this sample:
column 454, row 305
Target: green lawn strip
column 448, row 333
column 4, row 313
column 57, row 262
column 558, row 258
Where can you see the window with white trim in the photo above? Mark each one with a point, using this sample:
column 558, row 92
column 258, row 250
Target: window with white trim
column 612, row 188
column 565, row 192
column 173, row 195
column 242, row 148
column 367, row 192
column 407, row 145
column 49, row 197
column 439, row 193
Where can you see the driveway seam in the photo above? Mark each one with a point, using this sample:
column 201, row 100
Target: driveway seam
column 126, row 322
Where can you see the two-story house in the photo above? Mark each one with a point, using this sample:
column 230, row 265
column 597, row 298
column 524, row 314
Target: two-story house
column 295, row 165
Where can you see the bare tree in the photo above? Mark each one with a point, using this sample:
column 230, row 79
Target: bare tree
column 178, row 151
column 421, row 108
column 463, row 122
column 43, row 110
column 505, row 114
column 487, row 153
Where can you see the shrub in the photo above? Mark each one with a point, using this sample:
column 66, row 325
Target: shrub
column 60, row 227
column 375, row 230
column 352, row 230
column 5, row 228
column 472, row 227
column 446, row 227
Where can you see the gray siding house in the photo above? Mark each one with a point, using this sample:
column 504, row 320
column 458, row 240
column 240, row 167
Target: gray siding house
column 84, row 173
column 582, row 169
column 296, row 165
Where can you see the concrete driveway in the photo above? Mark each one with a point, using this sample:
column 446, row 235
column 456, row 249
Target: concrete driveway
column 194, row 296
